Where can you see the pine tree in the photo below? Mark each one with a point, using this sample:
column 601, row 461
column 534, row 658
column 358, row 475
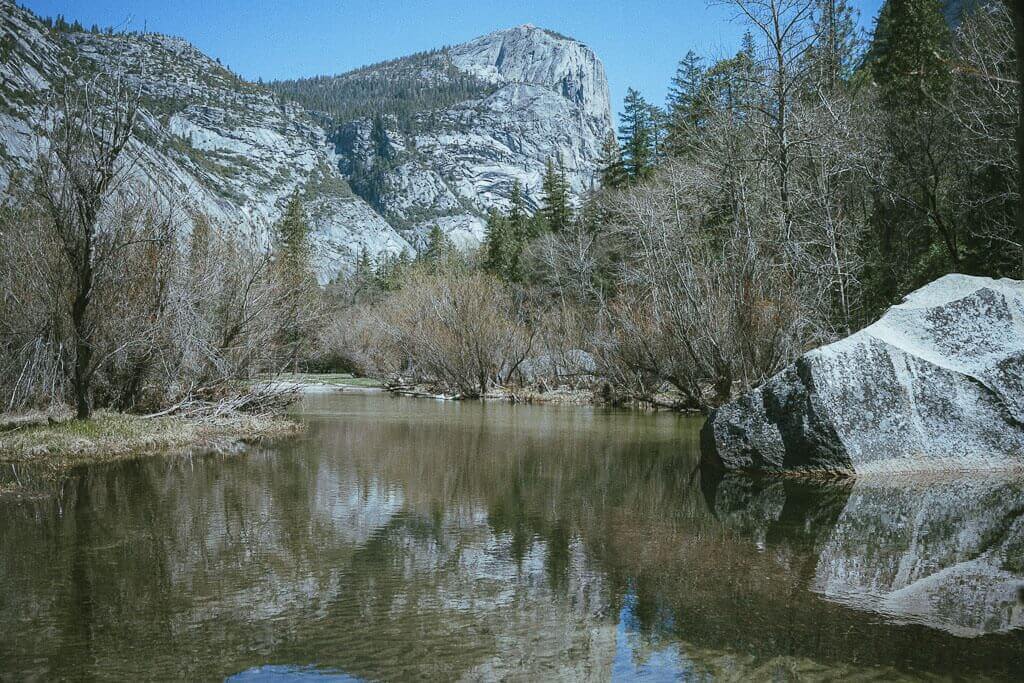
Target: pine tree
column 687, row 105
column 659, row 133
column 910, row 52
column 635, row 137
column 293, row 233
column 499, row 246
column 363, row 275
column 391, row 271
column 917, row 236
column 610, row 164
column 379, row 138
column 518, row 217
column 838, row 50
column 300, row 290
column 556, row 210
column 439, row 251
column 506, row 235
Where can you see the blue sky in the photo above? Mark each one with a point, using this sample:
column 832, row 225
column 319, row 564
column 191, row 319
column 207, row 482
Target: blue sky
column 639, row 41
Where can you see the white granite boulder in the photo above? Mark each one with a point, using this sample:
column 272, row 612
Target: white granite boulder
column 936, row 384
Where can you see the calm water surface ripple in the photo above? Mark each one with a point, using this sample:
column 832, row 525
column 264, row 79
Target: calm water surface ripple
column 409, row 539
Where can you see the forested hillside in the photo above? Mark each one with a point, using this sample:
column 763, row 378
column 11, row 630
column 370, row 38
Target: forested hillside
column 400, row 88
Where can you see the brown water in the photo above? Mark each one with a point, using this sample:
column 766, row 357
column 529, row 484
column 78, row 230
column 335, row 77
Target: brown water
column 409, row 539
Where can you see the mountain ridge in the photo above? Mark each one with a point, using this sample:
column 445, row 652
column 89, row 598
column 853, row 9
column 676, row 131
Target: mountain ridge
column 238, row 150
column 529, row 95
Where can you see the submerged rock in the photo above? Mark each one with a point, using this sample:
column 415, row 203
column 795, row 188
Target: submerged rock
column 936, row 384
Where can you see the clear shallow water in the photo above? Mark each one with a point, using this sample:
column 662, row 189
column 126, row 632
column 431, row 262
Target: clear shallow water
column 410, row 539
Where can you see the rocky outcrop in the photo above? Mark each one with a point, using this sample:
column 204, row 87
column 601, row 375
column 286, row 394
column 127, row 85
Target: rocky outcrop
column 206, row 140
column 936, row 384
column 540, row 96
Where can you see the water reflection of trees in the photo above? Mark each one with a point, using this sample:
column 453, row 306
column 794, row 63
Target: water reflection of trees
column 447, row 541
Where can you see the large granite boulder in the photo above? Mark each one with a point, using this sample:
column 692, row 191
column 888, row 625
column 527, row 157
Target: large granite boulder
column 936, row 384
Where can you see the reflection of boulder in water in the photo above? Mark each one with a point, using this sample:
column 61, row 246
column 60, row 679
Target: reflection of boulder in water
column 947, row 555
column 773, row 510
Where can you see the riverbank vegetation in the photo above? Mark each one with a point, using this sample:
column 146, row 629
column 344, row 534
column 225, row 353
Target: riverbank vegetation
column 62, row 442
column 108, row 302
column 782, row 198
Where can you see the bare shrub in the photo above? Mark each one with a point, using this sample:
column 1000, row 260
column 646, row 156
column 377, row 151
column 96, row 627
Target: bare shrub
column 703, row 302
column 174, row 314
column 460, row 331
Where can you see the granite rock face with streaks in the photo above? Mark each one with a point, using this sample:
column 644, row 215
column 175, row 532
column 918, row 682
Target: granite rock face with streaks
column 235, row 151
column 936, row 384
column 544, row 97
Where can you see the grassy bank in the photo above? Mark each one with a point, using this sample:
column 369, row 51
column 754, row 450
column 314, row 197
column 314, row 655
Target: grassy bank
column 57, row 444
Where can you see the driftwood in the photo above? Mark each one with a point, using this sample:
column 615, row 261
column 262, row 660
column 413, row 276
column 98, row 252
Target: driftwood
column 260, row 399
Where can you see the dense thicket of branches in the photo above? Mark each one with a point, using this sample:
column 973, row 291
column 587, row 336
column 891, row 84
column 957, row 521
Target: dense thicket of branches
column 108, row 299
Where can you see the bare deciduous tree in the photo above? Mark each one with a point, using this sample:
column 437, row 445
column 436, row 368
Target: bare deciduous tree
column 90, row 123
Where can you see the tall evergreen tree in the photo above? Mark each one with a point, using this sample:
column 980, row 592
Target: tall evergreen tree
column 439, row 251
column 363, row 275
column 910, row 53
column 518, row 217
column 610, row 171
column 635, row 137
column 293, row 235
column 556, row 209
column 917, row 235
column 494, row 235
column 659, row 133
column 837, row 51
column 300, row 291
column 379, row 138
column 687, row 105
column 391, row 271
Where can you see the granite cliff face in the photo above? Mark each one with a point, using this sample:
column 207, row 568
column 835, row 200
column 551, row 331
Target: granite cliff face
column 236, row 151
column 207, row 140
column 526, row 95
column 936, row 384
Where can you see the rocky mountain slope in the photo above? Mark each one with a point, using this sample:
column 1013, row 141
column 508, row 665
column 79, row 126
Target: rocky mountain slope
column 479, row 117
column 207, row 140
column 497, row 110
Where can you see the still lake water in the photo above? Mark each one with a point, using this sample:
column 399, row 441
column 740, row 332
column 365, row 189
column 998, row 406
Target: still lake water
column 410, row 539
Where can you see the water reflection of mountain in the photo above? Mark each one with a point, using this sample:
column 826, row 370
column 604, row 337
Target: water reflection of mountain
column 424, row 540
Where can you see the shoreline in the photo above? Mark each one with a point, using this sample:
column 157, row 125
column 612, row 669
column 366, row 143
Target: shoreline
column 565, row 396
column 50, row 447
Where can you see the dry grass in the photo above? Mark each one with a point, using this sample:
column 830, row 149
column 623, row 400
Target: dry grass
column 59, row 443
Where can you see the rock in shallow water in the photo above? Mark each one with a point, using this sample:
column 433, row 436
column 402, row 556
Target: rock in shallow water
column 936, row 384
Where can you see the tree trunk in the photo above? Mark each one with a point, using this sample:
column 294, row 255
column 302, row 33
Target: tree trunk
column 83, row 348
column 1017, row 7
